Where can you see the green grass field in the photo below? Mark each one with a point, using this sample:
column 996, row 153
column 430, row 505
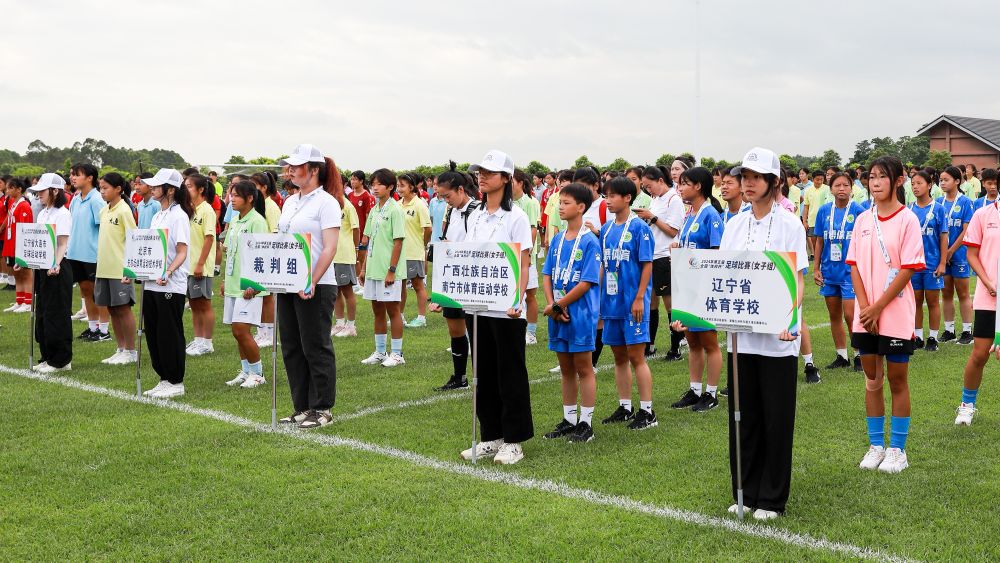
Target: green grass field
column 86, row 473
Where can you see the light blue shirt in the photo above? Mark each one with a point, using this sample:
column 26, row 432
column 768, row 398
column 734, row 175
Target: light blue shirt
column 86, row 212
column 146, row 212
column 437, row 209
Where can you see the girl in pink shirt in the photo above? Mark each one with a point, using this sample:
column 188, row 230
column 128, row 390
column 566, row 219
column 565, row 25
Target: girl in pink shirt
column 983, row 241
column 886, row 249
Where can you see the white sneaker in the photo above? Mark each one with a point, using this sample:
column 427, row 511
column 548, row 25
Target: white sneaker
column 483, row 450
column 50, row 369
column 113, row 359
column 200, row 349
column 375, row 358
column 556, row 369
column 263, row 339
column 170, row 391
column 80, row 315
column 335, row 330
column 239, row 379
column 253, row 381
column 347, row 332
column 873, row 458
column 894, row 462
column 159, row 387
column 509, row 454
column 761, row 514
column 965, row 414
column 530, row 338
column 393, row 360
column 734, row 509
column 124, row 357
column 359, row 289
column 24, row 308
column 39, row 366
column 684, row 343
column 191, row 345
column 13, row 307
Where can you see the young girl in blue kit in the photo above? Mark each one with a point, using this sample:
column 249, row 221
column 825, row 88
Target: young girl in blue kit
column 927, row 284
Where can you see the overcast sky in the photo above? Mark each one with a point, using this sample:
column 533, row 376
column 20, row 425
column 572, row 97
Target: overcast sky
column 396, row 84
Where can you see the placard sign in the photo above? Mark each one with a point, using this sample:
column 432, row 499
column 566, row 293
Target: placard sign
column 145, row 254
column 735, row 290
column 278, row 263
column 476, row 273
column 35, row 246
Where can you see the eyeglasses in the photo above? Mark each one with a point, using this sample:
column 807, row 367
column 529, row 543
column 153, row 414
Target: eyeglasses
column 486, row 173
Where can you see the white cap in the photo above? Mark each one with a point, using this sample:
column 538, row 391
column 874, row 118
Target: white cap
column 762, row 161
column 495, row 161
column 48, row 180
column 302, row 154
column 165, row 176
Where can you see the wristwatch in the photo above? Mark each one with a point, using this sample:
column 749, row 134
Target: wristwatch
column 654, row 220
column 392, row 269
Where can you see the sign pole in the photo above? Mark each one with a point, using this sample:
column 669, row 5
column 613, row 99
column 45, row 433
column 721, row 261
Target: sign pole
column 31, row 336
column 475, row 310
column 138, row 342
column 736, row 419
column 274, row 367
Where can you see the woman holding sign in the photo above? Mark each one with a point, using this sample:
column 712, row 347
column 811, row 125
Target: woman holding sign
column 305, row 318
column 54, row 288
column 767, row 362
column 503, row 402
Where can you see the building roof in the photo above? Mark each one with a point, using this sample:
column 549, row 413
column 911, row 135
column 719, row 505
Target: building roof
column 986, row 130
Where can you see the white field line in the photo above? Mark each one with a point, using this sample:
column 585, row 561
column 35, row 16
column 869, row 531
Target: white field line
column 820, row 325
column 488, row 474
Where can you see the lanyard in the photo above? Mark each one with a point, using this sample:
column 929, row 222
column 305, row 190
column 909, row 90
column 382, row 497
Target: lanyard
column 878, row 235
column 10, row 217
column 479, row 218
column 843, row 224
column 686, row 235
column 621, row 240
column 950, row 208
column 751, row 228
column 986, row 201
column 564, row 274
column 299, row 205
column 381, row 213
column 927, row 218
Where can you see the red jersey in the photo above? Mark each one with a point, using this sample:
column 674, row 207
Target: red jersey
column 425, row 196
column 19, row 212
column 217, row 207
column 278, row 199
column 363, row 204
column 546, row 194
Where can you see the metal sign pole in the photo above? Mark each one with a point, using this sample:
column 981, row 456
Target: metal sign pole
column 274, row 366
column 475, row 310
column 138, row 342
column 736, row 418
column 31, row 336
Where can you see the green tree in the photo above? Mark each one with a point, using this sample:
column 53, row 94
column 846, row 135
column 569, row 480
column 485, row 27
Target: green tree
column 261, row 160
column 619, row 164
column 666, row 159
column 939, row 160
column 27, row 170
column 708, row 162
column 690, row 157
column 236, row 159
column 789, row 162
column 914, row 149
column 535, row 167
column 582, row 161
column 829, row 158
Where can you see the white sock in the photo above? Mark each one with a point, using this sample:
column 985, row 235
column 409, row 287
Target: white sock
column 268, row 327
column 842, row 352
column 421, row 318
column 646, row 406
column 711, row 389
column 627, row 403
column 92, row 325
column 949, row 326
column 569, row 413
column 380, row 343
column 396, row 345
column 932, row 334
column 918, row 332
column 103, row 327
column 83, row 303
column 340, row 322
column 696, row 387
column 587, row 415
column 807, row 358
column 966, row 327
column 206, row 341
column 350, row 324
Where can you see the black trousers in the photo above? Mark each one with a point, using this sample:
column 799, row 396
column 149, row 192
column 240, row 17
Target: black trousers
column 53, row 327
column 503, row 400
column 163, row 323
column 310, row 363
column 767, row 408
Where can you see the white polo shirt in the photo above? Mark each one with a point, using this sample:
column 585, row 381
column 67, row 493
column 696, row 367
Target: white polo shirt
column 312, row 214
column 178, row 226
column 500, row 226
column 670, row 209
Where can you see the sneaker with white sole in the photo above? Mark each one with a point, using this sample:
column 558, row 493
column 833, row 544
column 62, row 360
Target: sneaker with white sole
column 734, row 509
column 125, row 357
column 895, row 461
column 483, row 450
column 239, row 379
column 315, row 419
column 80, row 315
column 294, row 418
column 509, row 454
column 965, row 413
column 191, row 345
column 201, row 349
column 557, row 369
column 169, row 391
column 375, row 358
column 113, row 359
column 39, row 365
column 873, row 458
column 393, row 360
column 262, row 340
column 13, row 307
column 761, row 514
column 253, row 381
column 416, row 323
column 347, row 332
column 159, row 387
column 335, row 330
column 530, row 338
column 24, row 308
column 52, row 369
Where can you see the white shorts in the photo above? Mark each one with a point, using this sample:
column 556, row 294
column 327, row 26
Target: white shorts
column 375, row 290
column 239, row 310
column 532, row 277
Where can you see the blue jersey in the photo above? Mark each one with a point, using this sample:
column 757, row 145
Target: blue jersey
column 836, row 226
column 86, row 213
column 624, row 253
column 702, row 229
column 727, row 215
column 981, row 203
column 933, row 222
column 866, row 204
column 567, row 268
column 958, row 213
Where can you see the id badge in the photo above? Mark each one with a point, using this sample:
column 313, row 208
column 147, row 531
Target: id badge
column 230, row 265
column 893, row 272
column 835, row 252
column 558, row 294
column 612, row 283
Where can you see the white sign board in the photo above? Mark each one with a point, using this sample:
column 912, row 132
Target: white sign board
column 477, row 274
column 145, row 254
column 278, row 263
column 35, row 246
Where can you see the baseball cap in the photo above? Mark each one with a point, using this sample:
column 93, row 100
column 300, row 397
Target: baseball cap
column 495, row 161
column 165, row 176
column 760, row 160
column 302, row 154
column 48, row 180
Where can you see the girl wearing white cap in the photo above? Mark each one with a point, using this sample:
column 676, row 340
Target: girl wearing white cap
column 503, row 402
column 54, row 288
column 305, row 318
column 767, row 362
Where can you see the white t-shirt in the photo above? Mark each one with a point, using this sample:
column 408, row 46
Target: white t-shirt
column 312, row 214
column 178, row 226
column 779, row 230
column 593, row 214
column 500, row 226
column 669, row 209
column 456, row 223
column 58, row 216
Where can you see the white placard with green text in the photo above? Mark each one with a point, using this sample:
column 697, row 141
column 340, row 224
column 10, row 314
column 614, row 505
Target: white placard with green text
column 35, row 246
column 476, row 273
column 279, row 263
column 145, row 254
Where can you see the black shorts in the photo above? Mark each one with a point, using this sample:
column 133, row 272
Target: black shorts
column 868, row 343
column 661, row 277
column 985, row 324
column 82, row 271
column 453, row 313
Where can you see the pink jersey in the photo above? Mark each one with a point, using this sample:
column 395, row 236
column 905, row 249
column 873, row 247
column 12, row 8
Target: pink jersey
column 901, row 234
column 984, row 234
column 787, row 204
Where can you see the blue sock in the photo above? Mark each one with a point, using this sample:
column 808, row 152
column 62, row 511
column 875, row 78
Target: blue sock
column 969, row 396
column 245, row 365
column 380, row 343
column 900, row 428
column 397, row 346
column 532, row 327
column 876, row 430
column 256, row 368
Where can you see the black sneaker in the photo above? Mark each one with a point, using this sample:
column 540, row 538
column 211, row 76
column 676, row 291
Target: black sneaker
column 687, row 400
column 947, row 336
column 673, row 357
column 643, row 420
column 932, row 345
column 812, row 374
column 705, row 403
column 622, row 414
column 965, row 338
column 98, row 336
column 85, row 335
column 918, row 343
column 724, row 391
column 840, row 362
column 584, row 433
column 455, row 382
column 857, row 363
column 650, row 351
column 563, row 429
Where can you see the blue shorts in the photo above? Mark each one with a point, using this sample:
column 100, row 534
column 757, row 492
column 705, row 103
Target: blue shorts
column 559, row 345
column 625, row 332
column 926, row 280
column 843, row 290
column 958, row 270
